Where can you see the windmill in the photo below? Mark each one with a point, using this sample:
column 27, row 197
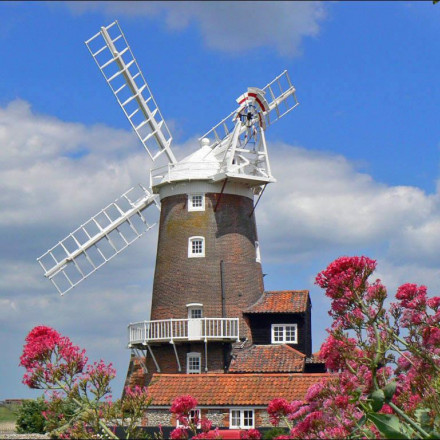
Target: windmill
column 208, row 266
column 233, row 150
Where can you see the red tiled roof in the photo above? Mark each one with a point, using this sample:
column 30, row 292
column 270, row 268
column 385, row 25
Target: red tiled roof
column 281, row 301
column 267, row 359
column 212, row 389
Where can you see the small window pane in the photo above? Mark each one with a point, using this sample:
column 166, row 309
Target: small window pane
column 197, row 246
column 284, row 333
column 290, row 333
column 278, row 334
column 195, row 313
column 235, row 418
column 194, row 364
column 197, row 201
column 248, row 419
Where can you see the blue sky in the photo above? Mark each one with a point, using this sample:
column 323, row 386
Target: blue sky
column 357, row 162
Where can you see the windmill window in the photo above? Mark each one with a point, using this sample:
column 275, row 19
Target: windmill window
column 195, row 313
column 196, row 247
column 241, row 418
column 194, row 417
column 195, row 310
column 193, row 363
column 284, row 334
column 196, row 202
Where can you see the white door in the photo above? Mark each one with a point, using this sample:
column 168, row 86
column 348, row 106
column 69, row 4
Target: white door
column 194, row 329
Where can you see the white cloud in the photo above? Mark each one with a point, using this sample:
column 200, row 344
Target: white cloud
column 52, row 167
column 229, row 26
column 321, row 201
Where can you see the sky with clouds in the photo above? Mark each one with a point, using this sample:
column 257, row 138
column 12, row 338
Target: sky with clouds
column 357, row 162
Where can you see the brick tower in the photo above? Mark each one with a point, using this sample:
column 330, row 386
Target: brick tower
column 208, row 271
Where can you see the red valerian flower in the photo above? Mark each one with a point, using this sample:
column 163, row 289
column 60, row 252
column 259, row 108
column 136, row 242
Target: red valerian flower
column 250, row 434
column 179, row 434
column 49, row 357
column 183, row 405
column 277, row 409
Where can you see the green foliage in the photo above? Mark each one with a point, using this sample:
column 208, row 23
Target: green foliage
column 389, row 425
column 274, row 433
column 30, row 418
column 389, row 390
column 377, row 400
column 8, row 413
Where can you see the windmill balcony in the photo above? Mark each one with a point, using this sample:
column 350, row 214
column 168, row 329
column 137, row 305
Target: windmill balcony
column 183, row 330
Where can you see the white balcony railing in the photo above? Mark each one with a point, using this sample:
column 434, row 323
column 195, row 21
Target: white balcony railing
column 180, row 330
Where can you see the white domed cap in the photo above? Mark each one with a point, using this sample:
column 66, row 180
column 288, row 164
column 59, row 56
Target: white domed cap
column 205, row 142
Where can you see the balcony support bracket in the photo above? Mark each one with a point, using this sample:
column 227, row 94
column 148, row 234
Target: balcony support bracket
column 177, row 356
column 154, row 359
column 206, row 355
column 142, row 358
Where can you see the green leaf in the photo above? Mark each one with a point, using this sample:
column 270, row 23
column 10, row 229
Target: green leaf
column 377, row 400
column 389, row 425
column 389, row 390
column 422, row 416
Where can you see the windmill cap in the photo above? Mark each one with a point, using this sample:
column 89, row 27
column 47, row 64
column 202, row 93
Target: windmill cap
column 204, row 142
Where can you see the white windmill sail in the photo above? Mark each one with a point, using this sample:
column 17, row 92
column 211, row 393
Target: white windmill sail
column 98, row 240
column 243, row 155
column 115, row 60
column 281, row 98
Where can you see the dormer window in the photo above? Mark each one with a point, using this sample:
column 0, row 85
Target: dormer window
column 196, row 247
column 284, row 333
column 196, row 202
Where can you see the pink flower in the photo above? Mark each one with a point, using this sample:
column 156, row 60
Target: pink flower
column 431, row 336
column 411, row 296
column 183, row 405
column 278, row 408
column 341, row 401
column 205, row 424
column 314, row 391
column 386, row 409
column 179, row 434
column 250, row 434
column 48, row 357
column 434, row 302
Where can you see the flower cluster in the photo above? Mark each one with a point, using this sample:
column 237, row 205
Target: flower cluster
column 385, row 362
column 49, row 357
column 78, row 394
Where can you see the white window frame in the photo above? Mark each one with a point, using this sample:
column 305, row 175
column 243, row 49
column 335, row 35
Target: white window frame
column 241, row 416
column 192, row 254
column 192, row 415
column 284, row 339
column 193, row 355
column 191, row 206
